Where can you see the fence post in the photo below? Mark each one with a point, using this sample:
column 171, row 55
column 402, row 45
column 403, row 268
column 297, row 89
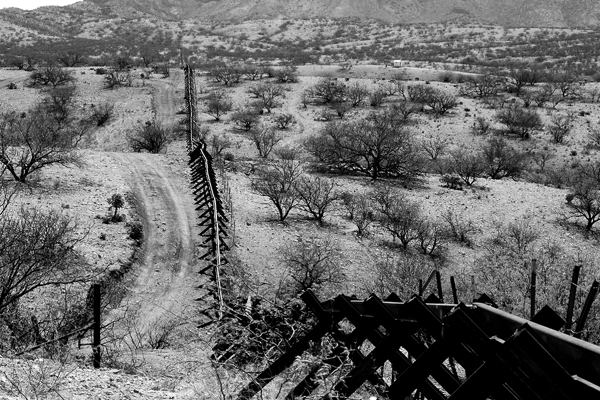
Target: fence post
column 586, row 309
column 96, row 339
column 572, row 293
column 453, row 286
column 533, row 283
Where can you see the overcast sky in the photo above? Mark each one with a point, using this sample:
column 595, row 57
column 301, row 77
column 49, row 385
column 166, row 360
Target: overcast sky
column 31, row 4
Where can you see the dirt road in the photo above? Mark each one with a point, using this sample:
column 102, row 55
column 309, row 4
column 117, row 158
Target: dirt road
column 166, row 279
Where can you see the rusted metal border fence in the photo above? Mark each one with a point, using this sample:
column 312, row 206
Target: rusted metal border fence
column 500, row 356
column 208, row 201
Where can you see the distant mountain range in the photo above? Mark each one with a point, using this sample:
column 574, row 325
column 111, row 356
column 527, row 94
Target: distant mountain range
column 530, row 13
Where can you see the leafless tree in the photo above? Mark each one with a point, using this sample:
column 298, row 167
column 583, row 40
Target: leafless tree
column 151, row 137
column 51, row 76
column 268, row 94
column 560, row 126
column 265, row 138
column 245, row 118
column 468, row 165
column 71, row 58
column 37, row 140
column 357, row 94
column 278, row 183
column 378, row 146
column 218, row 103
column 520, row 121
column 314, row 264
column 317, row 195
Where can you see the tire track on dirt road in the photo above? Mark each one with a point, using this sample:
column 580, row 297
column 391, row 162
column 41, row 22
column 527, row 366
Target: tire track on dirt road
column 165, row 282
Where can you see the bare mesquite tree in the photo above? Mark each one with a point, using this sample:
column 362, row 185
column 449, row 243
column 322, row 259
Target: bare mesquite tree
column 361, row 210
column 278, row 183
column 520, row 121
column 34, row 141
column 37, row 249
column 265, row 138
column 584, row 201
column 379, row 146
column 71, row 58
column 151, row 137
column 314, row 264
column 218, row 103
column 401, row 217
column 268, row 94
column 51, row 76
column 317, row 195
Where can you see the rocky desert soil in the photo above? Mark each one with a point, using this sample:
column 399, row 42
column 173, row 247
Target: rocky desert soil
column 164, row 279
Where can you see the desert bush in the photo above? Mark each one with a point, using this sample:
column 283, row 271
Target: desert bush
column 135, row 231
column 268, row 94
column 72, row 58
column 517, row 237
column 484, row 85
column 481, row 126
column 38, row 249
column 278, row 183
column 560, row 127
column 459, row 227
column 541, row 157
column 519, row 121
column 265, row 138
column 51, row 76
column 328, row 91
column 466, row 164
column 404, row 109
column 317, row 195
column 585, row 202
column 401, row 217
column 434, row 146
column 102, row 113
column 245, row 118
column 314, row 264
column 399, row 274
column 36, row 140
column 341, row 109
column 357, row 94
column 361, row 210
column 114, row 78
column 58, row 104
column 452, row 181
column 501, row 160
column 379, row 146
column 287, row 74
column 151, row 137
column 218, row 144
column 284, row 120
column 115, row 202
column 218, row 103
column 440, row 101
column 376, row 97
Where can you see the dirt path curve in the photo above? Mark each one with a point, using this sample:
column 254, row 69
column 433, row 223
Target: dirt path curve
column 165, row 280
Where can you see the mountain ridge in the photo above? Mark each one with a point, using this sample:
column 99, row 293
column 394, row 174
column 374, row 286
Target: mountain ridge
column 533, row 13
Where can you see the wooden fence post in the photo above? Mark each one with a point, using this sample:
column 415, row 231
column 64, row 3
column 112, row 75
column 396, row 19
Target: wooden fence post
column 533, row 284
column 453, row 286
column 586, row 309
column 572, row 293
column 96, row 340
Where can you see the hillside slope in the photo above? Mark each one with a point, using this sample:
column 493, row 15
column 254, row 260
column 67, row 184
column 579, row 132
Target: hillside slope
column 506, row 12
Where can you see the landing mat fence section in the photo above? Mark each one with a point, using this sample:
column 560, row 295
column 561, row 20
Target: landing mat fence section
column 498, row 355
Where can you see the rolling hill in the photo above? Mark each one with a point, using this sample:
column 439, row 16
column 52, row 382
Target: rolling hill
column 534, row 13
